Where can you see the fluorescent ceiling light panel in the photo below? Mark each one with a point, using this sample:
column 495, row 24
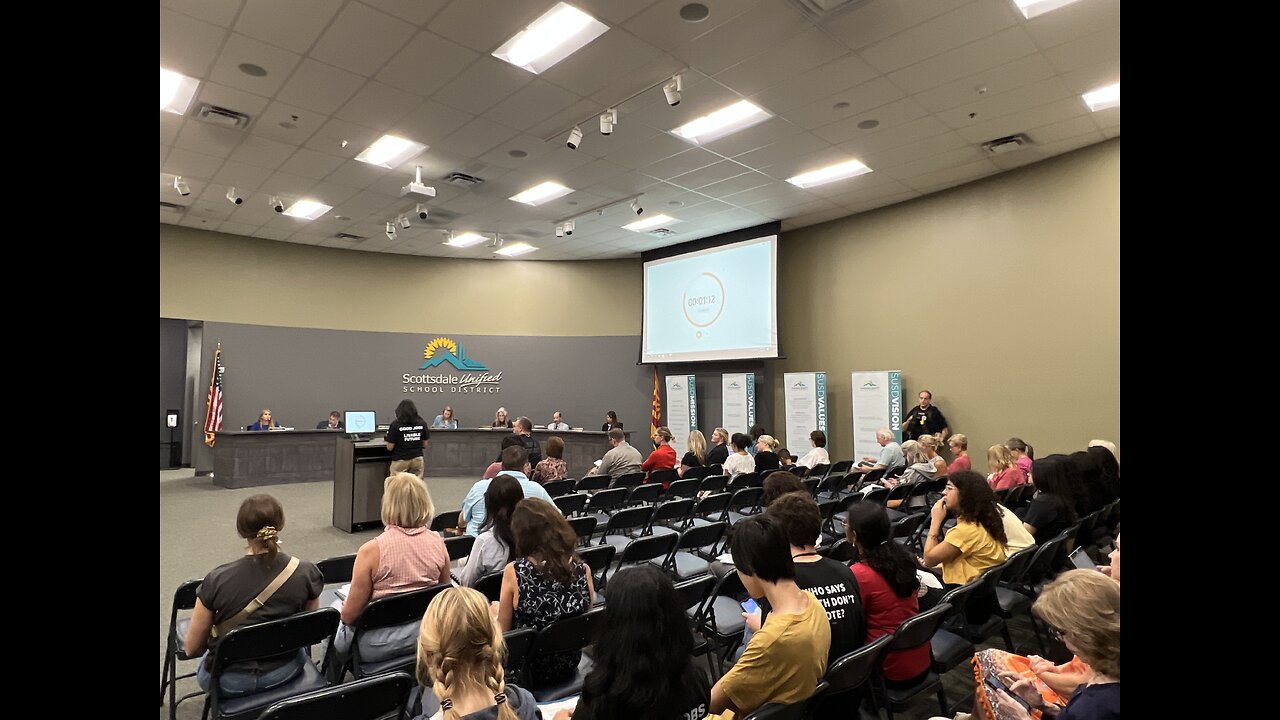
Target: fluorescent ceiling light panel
column 539, row 194
column 176, row 91
column 725, row 121
column 655, row 221
column 515, row 250
column 389, row 151
column 307, row 209
column 831, row 173
column 1032, row 8
column 559, row 33
column 466, row 239
column 1103, row 98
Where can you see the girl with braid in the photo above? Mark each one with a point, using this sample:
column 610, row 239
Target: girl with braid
column 460, row 656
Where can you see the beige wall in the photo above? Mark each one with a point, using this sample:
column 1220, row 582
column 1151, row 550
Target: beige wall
column 229, row 278
column 1002, row 297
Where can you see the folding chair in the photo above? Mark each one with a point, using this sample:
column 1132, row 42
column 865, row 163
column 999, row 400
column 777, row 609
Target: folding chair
column 445, row 520
column 695, row 551
column 490, row 586
column 556, row 488
column 372, row 698
column 570, row 504
column 912, row 633
column 686, row 488
column 666, row 517
column 184, row 598
column 389, row 611
column 565, row 635
column 628, row 480
column 592, row 483
column 846, row 675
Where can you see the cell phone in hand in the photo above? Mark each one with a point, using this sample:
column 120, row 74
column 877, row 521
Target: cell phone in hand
column 750, row 607
column 994, row 685
column 1080, row 559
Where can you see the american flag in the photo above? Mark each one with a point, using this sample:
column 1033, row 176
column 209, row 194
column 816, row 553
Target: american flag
column 213, row 416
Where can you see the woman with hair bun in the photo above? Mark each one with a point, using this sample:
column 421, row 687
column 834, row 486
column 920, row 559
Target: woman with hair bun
column 228, row 590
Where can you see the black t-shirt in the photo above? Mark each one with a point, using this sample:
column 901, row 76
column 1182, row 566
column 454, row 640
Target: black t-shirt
column 718, row 454
column 1094, row 702
column 834, row 585
column 408, row 439
column 1048, row 515
column 690, row 460
column 691, row 700
column 767, row 460
column 532, row 447
column 924, row 422
column 227, row 589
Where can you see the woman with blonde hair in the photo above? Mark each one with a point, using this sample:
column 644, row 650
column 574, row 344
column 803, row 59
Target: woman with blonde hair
column 406, row 556
column 959, row 445
column 697, row 454
column 460, row 654
column 918, row 466
column 500, row 419
column 1005, row 472
column 929, row 444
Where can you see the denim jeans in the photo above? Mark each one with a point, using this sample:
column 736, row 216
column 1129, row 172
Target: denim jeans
column 234, row 683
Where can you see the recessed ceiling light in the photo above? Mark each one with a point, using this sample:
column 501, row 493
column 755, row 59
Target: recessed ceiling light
column 518, row 153
column 655, row 221
column 1103, row 98
column 831, row 173
column 307, row 209
column 176, row 91
column 868, row 124
column 694, row 12
column 726, row 120
column 466, row 239
column 515, row 250
column 557, row 34
column 1032, row 8
column 253, row 70
column 544, row 192
column 840, row 106
column 389, row 151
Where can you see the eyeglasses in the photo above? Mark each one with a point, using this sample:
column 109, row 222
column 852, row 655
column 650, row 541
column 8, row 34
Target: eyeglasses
column 1054, row 632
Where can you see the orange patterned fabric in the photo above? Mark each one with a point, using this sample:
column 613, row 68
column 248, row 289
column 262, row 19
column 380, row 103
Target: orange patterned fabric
column 989, row 665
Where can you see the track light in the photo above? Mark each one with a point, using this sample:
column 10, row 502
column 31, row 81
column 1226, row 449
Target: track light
column 575, row 138
column 672, row 90
column 275, row 204
column 422, row 211
column 607, row 121
column 391, row 230
column 404, row 222
column 568, row 228
column 181, row 186
column 234, row 196
column 636, row 207
column 559, row 231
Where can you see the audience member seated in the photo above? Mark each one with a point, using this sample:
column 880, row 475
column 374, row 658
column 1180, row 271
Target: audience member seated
column 786, row 460
column 621, row 458
column 445, row 420
column 1016, row 533
column 663, row 456
column 830, row 581
column 1065, row 679
column 546, row 582
column 1115, row 452
column 890, row 589
column 552, row 467
column 959, row 445
column 1004, row 470
column 1083, row 608
column 514, row 463
column 766, row 453
column 778, row 484
column 919, row 468
column 460, row 656
column 719, row 451
column 740, row 461
column 500, row 419
column 697, row 453
column 1023, row 454
column 524, row 431
column 643, row 666
column 817, row 455
column 976, row 543
column 406, row 556
column 788, row 655
column 228, row 590
column 494, row 546
column 1099, row 479
column 1054, row 507
column 496, row 467
column 929, row 443
column 890, row 455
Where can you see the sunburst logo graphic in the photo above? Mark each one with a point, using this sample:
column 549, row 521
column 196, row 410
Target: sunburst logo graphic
column 442, row 350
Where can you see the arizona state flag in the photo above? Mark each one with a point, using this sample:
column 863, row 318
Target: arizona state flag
column 657, row 401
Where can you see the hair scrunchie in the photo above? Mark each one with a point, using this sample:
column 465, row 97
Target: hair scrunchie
column 269, row 533
column 500, row 698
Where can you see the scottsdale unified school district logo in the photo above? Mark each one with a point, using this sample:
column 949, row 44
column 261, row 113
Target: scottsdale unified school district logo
column 475, row 378
column 442, row 350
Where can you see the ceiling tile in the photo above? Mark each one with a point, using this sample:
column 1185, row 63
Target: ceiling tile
column 736, row 184
column 989, row 52
column 218, row 12
column 860, row 99
column 426, row 64
column 1074, row 22
column 262, row 152
column 991, row 106
column 722, row 170
column 598, row 65
column 1092, row 77
column 757, row 136
column 333, row 194
column 242, row 49
column 347, row 45
column 532, row 104
column 818, row 83
column 1086, row 51
column 416, row 12
column 187, row 45
column 483, row 85
column 245, row 178
column 660, row 25
column 431, row 122
column 291, row 24
column 229, row 98
column 378, row 106
column 780, row 63
column 319, row 87
column 483, row 25
column 1010, row 76
column 1023, row 121
column 1062, row 130
column 890, row 115
column 945, row 32
column 655, row 148
column 331, row 135
column 784, row 149
column 948, row 159
column 903, row 149
column 170, row 124
column 875, row 21
column 356, row 174
column 190, row 164
column 500, row 155
column 681, row 163
column 730, row 43
column 209, row 139
column 476, row 137
column 289, row 187
column 940, row 179
column 289, row 124
column 311, row 164
column 894, row 136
